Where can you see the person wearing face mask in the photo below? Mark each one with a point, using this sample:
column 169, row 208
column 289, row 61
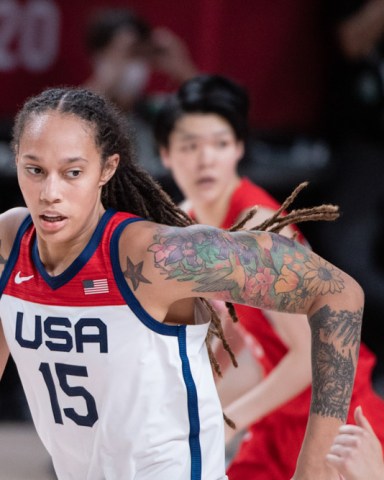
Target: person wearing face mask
column 124, row 50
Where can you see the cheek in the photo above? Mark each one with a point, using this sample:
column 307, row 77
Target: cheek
column 233, row 156
column 179, row 163
column 28, row 188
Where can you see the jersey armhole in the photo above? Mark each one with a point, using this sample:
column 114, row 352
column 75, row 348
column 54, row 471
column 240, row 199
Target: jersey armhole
column 14, row 252
column 129, row 297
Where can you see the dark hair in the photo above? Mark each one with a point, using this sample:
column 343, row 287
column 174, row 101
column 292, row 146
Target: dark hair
column 105, row 23
column 205, row 94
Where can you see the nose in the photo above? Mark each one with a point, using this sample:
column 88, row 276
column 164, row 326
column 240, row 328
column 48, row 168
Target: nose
column 50, row 189
column 206, row 156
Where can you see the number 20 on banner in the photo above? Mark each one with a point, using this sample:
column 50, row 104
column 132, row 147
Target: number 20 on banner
column 29, row 35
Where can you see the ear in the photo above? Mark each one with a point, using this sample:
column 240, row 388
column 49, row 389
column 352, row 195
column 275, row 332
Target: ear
column 109, row 169
column 164, row 155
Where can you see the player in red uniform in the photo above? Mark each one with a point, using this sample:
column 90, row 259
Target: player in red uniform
column 201, row 133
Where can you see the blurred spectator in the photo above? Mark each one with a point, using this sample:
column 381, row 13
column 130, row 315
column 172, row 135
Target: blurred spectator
column 124, row 50
column 357, row 81
column 356, row 129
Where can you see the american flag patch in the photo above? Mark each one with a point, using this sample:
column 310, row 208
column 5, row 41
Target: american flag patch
column 91, row 287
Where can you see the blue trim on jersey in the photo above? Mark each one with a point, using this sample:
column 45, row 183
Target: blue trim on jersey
column 193, row 406
column 172, row 330
column 14, row 252
column 64, row 277
column 128, row 295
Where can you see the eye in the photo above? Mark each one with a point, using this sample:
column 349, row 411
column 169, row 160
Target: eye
column 73, row 173
column 189, row 147
column 222, row 143
column 34, row 170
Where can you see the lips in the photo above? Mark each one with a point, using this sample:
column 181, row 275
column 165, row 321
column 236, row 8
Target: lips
column 52, row 218
column 205, row 181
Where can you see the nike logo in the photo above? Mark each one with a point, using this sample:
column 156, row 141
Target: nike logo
column 19, row 279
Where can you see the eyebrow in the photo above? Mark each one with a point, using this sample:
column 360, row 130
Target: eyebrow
column 191, row 136
column 34, row 158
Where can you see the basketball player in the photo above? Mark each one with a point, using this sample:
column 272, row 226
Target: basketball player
column 104, row 290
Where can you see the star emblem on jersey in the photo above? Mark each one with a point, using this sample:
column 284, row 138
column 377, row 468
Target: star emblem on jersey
column 134, row 273
column 19, row 279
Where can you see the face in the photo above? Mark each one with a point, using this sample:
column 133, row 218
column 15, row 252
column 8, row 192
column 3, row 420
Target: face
column 203, row 155
column 60, row 175
column 123, row 67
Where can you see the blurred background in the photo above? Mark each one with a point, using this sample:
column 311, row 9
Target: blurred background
column 314, row 70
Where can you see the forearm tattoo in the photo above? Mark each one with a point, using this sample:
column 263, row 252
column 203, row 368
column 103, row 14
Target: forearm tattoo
column 276, row 273
column 335, row 349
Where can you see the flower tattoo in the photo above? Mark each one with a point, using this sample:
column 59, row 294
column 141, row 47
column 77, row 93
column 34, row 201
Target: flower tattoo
column 322, row 278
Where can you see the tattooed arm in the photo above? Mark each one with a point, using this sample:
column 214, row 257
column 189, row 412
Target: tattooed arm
column 271, row 272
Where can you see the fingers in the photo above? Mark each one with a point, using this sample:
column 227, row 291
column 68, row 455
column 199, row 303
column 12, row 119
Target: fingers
column 335, row 461
column 361, row 420
column 347, row 440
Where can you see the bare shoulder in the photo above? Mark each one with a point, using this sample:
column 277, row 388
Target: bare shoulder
column 10, row 222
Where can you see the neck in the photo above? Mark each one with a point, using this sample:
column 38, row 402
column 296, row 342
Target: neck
column 57, row 256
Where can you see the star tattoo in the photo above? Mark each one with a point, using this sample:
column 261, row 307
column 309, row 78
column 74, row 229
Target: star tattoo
column 134, row 273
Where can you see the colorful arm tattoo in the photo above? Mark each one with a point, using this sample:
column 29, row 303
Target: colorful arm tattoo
column 284, row 276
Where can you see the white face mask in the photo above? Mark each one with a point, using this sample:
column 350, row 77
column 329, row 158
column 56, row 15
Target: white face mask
column 133, row 79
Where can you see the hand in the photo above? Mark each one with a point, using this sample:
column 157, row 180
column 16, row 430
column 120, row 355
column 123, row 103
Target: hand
column 356, row 452
column 171, row 55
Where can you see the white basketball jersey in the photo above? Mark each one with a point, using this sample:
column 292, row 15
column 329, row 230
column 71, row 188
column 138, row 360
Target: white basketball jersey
column 114, row 394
